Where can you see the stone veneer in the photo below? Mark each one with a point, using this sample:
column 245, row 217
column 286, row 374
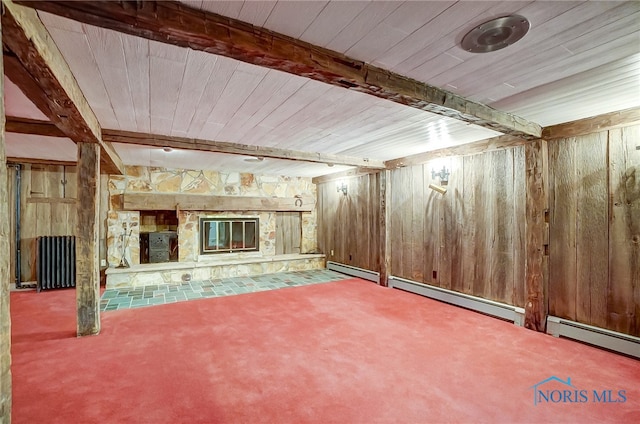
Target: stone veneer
column 189, row 230
column 123, row 227
column 173, row 273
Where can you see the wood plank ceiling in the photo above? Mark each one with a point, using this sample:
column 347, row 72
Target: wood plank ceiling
column 579, row 59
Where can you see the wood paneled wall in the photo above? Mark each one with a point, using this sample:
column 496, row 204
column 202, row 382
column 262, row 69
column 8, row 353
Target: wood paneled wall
column 288, row 232
column 473, row 238
column 470, row 239
column 594, row 269
column 47, row 208
column 349, row 225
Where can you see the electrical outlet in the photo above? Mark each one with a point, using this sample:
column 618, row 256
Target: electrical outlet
column 331, row 252
column 103, row 262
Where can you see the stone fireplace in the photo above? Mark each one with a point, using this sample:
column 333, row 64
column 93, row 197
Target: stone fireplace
column 125, row 226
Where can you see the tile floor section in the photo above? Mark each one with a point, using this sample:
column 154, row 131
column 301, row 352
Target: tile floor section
column 136, row 297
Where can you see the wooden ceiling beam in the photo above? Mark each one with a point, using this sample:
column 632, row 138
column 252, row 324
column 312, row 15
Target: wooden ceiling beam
column 37, row 58
column 199, row 202
column 32, row 126
column 598, row 123
column 45, row 128
column 482, row 146
column 177, row 24
column 36, row 161
column 349, row 173
column 155, row 140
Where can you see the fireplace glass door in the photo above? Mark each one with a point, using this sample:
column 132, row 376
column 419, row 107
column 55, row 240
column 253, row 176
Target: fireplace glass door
column 226, row 235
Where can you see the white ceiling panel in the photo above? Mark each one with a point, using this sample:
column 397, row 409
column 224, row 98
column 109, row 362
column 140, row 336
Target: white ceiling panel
column 226, row 8
column 256, row 12
column 374, row 13
column 40, row 147
column 333, row 18
column 579, row 59
column 546, row 103
column 17, row 104
column 294, row 17
column 435, row 29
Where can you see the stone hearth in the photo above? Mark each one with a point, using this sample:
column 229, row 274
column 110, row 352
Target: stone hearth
column 171, row 273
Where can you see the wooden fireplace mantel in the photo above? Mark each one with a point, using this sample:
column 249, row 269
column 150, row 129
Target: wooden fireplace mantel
column 198, row 202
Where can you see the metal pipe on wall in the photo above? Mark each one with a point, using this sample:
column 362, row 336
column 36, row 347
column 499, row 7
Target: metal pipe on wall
column 18, row 257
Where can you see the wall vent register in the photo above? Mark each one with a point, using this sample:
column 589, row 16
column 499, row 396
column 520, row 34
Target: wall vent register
column 227, row 235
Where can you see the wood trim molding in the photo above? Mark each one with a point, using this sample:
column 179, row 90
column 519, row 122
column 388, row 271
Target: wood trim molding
column 177, row 24
column 59, row 97
column 197, row 202
column 536, row 231
column 51, row 200
column 349, row 173
column 117, row 136
column 384, row 243
column 585, row 126
column 481, row 146
column 35, row 161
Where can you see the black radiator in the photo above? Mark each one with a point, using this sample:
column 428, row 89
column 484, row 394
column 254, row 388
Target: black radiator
column 56, row 262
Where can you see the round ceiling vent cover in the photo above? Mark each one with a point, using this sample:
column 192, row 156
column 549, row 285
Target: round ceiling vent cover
column 496, row 34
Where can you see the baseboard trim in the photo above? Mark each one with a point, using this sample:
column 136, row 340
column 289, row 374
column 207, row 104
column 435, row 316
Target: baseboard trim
column 354, row 271
column 612, row 340
column 489, row 307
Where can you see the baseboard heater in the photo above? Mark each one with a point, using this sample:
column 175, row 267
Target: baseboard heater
column 353, row 271
column 612, row 340
column 56, row 262
column 489, row 307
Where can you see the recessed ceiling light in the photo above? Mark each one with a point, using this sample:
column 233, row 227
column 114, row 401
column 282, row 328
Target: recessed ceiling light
column 496, row 34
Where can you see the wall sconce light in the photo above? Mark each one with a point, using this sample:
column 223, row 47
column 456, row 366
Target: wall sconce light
column 443, row 175
column 437, row 188
column 342, row 187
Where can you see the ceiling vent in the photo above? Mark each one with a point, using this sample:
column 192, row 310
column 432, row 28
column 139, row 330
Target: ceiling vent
column 496, row 34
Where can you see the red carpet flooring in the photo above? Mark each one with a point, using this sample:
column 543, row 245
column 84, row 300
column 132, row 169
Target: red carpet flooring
column 342, row 352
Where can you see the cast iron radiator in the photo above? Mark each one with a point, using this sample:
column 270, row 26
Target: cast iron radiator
column 56, row 262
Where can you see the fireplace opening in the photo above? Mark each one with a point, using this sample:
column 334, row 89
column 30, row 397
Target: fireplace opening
column 158, row 236
column 228, row 235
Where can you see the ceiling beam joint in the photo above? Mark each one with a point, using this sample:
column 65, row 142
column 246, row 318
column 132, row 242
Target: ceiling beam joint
column 38, row 68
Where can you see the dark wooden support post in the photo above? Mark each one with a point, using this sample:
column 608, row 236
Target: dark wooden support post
column 87, row 236
column 536, row 235
column 5, row 317
column 385, row 258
